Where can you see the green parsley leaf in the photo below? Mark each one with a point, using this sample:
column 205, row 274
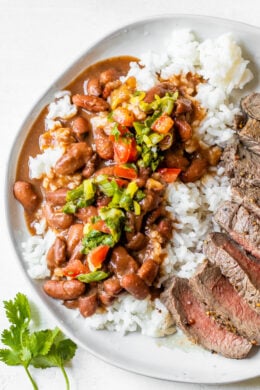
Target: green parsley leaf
column 62, row 351
column 37, row 348
column 9, row 357
column 18, row 311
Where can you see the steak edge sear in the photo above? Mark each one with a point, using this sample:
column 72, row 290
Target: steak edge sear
column 189, row 314
column 241, row 225
column 224, row 303
column 241, row 269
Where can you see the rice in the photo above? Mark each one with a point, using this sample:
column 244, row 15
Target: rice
column 34, row 252
column 43, row 163
column 128, row 314
column 192, row 205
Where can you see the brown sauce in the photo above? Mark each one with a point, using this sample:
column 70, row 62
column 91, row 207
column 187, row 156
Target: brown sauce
column 31, row 144
column 147, row 237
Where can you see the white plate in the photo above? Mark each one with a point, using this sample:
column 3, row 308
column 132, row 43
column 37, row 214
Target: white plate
column 171, row 358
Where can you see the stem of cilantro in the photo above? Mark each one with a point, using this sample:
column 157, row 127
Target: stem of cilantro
column 66, row 377
column 31, row 378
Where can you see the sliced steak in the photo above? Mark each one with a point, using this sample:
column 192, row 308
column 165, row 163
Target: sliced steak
column 189, row 314
column 247, row 197
column 241, row 166
column 251, row 105
column 241, row 269
column 222, row 300
column 243, row 226
column 250, row 135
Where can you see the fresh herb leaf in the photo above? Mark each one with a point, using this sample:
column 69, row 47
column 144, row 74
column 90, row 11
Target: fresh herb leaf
column 18, row 311
column 95, row 276
column 115, row 132
column 37, row 348
column 108, row 187
column 95, row 238
column 137, row 208
column 62, row 351
column 81, row 196
column 9, row 357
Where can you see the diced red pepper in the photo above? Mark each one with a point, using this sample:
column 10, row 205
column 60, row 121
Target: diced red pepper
column 100, row 226
column 98, row 255
column 121, row 182
column 125, row 150
column 125, row 172
column 122, row 149
column 163, row 124
column 169, row 174
column 75, row 268
column 133, row 152
column 123, row 130
column 123, row 116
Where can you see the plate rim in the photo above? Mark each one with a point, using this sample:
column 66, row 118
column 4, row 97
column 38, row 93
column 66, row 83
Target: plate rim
column 89, row 48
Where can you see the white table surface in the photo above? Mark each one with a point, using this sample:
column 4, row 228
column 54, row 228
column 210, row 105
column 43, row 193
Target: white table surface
column 38, row 40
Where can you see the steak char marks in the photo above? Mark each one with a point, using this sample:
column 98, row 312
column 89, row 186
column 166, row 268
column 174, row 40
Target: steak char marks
column 242, row 166
column 250, row 132
column 242, row 226
column 223, row 302
column 250, row 135
column 190, row 315
column 247, row 197
column 241, row 269
column 251, row 105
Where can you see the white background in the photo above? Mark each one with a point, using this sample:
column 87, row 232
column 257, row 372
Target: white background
column 38, row 40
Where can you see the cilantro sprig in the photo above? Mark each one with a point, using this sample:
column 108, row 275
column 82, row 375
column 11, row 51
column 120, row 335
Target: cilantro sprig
column 41, row 349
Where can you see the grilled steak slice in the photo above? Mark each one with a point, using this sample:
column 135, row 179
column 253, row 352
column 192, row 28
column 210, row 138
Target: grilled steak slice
column 217, row 292
column 241, row 269
column 247, row 197
column 243, row 227
column 251, row 105
column 241, row 166
column 250, row 135
column 191, row 317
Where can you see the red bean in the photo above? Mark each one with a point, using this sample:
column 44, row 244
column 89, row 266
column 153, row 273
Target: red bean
column 57, row 253
column 148, row 271
column 26, row 195
column 80, row 127
column 135, row 286
column 57, row 197
column 57, row 219
column 122, row 263
column 75, row 234
column 64, row 289
column 75, row 157
column 94, row 88
column 104, row 147
column 107, row 76
column 184, row 129
column 112, row 286
column 88, row 304
column 195, row 171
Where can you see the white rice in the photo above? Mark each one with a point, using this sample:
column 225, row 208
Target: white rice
column 34, row 253
column 128, row 314
column 192, row 205
column 44, row 162
column 62, row 108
